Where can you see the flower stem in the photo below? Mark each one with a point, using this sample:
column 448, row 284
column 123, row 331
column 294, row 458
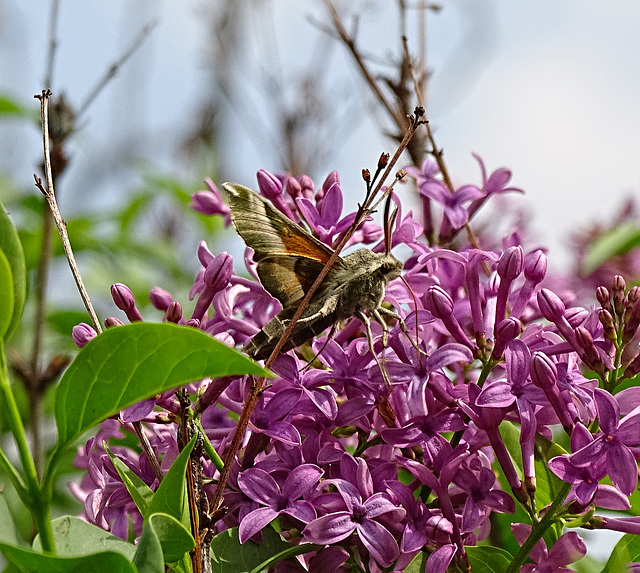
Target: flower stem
column 538, row 530
column 33, row 494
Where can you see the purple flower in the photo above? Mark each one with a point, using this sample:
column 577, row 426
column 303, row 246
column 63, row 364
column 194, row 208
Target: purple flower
column 482, row 498
column 82, row 333
column 567, row 549
column 210, row 202
column 611, row 445
column 263, row 489
column 587, row 490
column 355, row 509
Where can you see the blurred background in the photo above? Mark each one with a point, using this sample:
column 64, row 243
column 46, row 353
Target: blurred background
column 221, row 89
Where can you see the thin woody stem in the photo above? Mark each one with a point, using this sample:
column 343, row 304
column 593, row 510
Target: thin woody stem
column 50, row 196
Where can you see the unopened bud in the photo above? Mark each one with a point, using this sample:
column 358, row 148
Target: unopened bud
column 124, row 300
column 366, row 175
column 618, row 288
column 111, row 321
column 551, row 307
column 604, row 298
column 384, row 159
column 82, row 333
column 173, row 313
column 605, row 318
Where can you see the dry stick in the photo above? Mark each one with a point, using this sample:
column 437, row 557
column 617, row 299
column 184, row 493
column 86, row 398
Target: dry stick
column 115, row 67
column 256, row 389
column 50, row 196
column 351, row 44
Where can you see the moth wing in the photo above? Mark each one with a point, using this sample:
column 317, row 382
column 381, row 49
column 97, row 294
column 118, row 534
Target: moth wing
column 289, row 258
column 288, row 278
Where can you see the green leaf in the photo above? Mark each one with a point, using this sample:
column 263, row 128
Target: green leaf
column 487, row 559
column 139, row 491
column 171, row 496
column 626, row 551
column 126, row 364
column 8, row 529
column 163, row 534
column 291, row 551
column 228, row 554
column 6, row 295
column 11, row 247
column 617, row 241
column 75, row 537
column 149, row 557
column 31, row 562
column 10, row 107
column 418, row 563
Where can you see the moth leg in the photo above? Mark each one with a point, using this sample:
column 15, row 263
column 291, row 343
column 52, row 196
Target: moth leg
column 327, row 308
column 367, row 324
column 403, row 326
column 331, row 334
column 385, row 328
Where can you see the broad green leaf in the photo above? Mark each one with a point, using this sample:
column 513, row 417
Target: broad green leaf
column 6, row 295
column 163, row 534
column 8, row 528
column 139, row 491
column 31, row 562
column 487, row 559
column 616, row 241
column 171, row 496
column 627, row 550
column 75, row 537
column 228, row 554
column 126, row 364
column 12, row 248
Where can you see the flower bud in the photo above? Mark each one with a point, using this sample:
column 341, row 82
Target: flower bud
column 306, row 186
column 124, row 300
column 604, row 298
column 505, row 332
column 535, row 266
column 510, row 263
column 82, row 333
column 551, row 307
column 293, row 187
column 217, row 274
column 606, row 319
column 438, row 302
column 544, row 374
column 173, row 313
column 160, row 298
column 270, row 186
column 576, row 315
column 111, row 321
column 617, row 289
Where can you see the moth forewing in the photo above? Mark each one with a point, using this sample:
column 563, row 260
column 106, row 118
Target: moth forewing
column 289, row 261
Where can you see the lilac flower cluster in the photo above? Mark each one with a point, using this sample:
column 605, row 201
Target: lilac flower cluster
column 375, row 473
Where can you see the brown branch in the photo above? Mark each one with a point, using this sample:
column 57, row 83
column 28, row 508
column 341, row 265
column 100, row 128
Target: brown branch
column 114, row 68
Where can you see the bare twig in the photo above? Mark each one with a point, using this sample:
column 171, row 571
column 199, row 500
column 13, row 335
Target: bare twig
column 115, row 67
column 256, row 389
column 53, row 43
column 50, row 196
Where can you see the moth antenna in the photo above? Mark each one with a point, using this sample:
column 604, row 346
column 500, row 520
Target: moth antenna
column 389, row 220
column 415, row 303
